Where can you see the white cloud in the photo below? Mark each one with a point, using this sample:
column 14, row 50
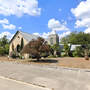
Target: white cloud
column 64, row 34
column 4, row 21
column 8, row 34
column 82, row 10
column 9, row 26
column 82, row 14
column 19, row 7
column 87, row 30
column 44, row 35
column 56, row 25
column 6, row 25
column 19, row 28
column 38, row 34
column 85, row 22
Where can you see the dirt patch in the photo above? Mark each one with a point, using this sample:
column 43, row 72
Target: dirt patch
column 65, row 62
column 74, row 62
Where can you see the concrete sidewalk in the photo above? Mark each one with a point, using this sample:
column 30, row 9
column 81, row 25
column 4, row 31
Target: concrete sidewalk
column 10, row 84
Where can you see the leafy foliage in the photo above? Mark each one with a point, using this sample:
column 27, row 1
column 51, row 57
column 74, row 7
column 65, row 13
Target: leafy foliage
column 66, row 49
column 7, row 49
column 77, row 38
column 37, row 48
column 80, row 38
column 4, row 46
column 79, row 52
column 13, row 54
column 55, row 49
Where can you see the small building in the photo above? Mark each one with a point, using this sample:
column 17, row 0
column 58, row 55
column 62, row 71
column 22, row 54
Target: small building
column 18, row 38
column 72, row 47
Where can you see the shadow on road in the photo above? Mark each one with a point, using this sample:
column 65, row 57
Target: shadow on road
column 45, row 61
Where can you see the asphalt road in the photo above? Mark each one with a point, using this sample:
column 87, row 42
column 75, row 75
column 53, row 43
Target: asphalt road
column 50, row 77
column 10, row 84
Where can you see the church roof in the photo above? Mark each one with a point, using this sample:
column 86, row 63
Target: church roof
column 26, row 36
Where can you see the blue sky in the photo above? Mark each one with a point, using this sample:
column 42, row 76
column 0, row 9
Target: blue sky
column 42, row 17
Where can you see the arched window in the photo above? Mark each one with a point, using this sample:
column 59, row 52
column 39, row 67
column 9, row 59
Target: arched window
column 22, row 43
column 18, row 48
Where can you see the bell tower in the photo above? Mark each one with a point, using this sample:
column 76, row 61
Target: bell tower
column 53, row 38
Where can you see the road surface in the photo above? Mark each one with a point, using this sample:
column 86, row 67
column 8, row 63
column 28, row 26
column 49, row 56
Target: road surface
column 10, row 84
column 50, row 77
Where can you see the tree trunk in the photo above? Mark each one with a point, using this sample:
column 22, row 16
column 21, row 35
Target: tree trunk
column 86, row 55
column 86, row 58
column 38, row 59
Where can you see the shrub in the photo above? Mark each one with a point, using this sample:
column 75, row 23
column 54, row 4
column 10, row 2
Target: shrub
column 79, row 52
column 55, row 50
column 13, row 54
column 7, row 49
column 44, row 55
column 4, row 46
column 66, row 49
column 2, row 51
column 51, row 56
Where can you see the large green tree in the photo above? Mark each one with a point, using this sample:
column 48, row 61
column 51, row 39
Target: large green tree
column 80, row 38
column 77, row 38
column 4, row 45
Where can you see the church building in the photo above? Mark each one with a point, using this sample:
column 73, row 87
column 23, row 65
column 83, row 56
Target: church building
column 24, row 38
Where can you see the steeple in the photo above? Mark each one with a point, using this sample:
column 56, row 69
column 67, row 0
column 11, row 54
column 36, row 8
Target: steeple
column 53, row 38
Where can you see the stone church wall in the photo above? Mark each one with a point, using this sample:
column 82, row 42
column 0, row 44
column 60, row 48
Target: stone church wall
column 16, row 41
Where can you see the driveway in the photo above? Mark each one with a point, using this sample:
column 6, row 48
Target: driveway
column 47, row 76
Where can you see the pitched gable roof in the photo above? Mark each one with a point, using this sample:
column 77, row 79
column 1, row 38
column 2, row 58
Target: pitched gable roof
column 28, row 36
column 25, row 35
